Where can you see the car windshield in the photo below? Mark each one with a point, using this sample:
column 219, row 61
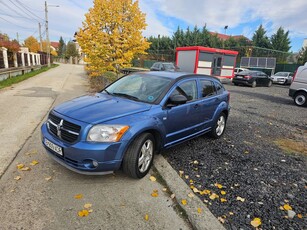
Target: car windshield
column 168, row 66
column 139, row 87
column 281, row 74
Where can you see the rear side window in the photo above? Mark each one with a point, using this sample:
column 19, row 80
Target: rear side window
column 219, row 88
column 187, row 89
column 207, row 88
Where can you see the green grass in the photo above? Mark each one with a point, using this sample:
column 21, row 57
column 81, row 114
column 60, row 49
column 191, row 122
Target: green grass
column 19, row 78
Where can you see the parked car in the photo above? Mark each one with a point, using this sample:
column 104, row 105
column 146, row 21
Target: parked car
column 252, row 78
column 239, row 69
column 164, row 66
column 298, row 87
column 283, row 78
column 132, row 119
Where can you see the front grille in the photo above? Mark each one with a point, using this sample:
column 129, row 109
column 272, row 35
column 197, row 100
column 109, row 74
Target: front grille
column 63, row 129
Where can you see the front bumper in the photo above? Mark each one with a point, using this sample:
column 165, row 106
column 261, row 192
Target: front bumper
column 79, row 156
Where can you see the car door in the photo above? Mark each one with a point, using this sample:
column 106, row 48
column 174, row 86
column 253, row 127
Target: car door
column 262, row 78
column 208, row 102
column 182, row 121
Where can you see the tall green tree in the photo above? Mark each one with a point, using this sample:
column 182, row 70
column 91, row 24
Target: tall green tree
column 280, row 40
column 71, row 50
column 260, row 38
column 302, row 58
column 62, row 48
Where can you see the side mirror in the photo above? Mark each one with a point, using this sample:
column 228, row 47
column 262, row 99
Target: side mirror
column 177, row 99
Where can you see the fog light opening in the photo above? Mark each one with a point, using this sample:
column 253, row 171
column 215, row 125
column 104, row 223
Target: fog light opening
column 90, row 163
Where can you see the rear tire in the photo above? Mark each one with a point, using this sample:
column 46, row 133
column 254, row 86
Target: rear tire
column 219, row 126
column 139, row 156
column 300, row 99
column 236, row 84
column 254, row 84
column 269, row 84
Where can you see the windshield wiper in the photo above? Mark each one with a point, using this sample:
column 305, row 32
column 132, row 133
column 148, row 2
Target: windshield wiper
column 107, row 91
column 127, row 96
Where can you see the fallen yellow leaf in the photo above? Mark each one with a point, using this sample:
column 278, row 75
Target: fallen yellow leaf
column 199, row 210
column 181, row 173
column 256, row 222
column 173, row 196
column 25, row 169
column 20, row 166
column 198, row 176
column 78, row 196
column 152, row 178
column 231, row 213
column 191, row 195
column 195, row 190
column 164, row 189
column 83, row 213
column 191, row 181
column 186, row 176
column 90, row 211
column 246, row 152
column 34, row 163
column 87, row 205
column 48, row 178
column 213, row 196
column 206, row 192
column 221, row 220
column 287, row 207
column 223, row 200
column 300, row 216
column 223, row 192
column 155, row 193
column 183, row 201
column 195, row 162
column 218, row 185
column 146, row 217
column 17, row 177
column 240, row 199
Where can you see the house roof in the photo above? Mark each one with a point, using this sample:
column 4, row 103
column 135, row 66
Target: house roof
column 226, row 37
column 55, row 44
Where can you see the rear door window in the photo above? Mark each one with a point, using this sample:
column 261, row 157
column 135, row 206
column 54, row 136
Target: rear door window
column 207, row 88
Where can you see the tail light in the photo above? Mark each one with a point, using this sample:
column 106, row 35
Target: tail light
column 247, row 77
column 294, row 75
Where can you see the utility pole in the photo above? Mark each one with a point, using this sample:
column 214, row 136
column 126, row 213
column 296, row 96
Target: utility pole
column 17, row 37
column 40, row 37
column 47, row 34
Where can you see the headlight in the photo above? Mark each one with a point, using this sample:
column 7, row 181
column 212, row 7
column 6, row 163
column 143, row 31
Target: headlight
column 106, row 133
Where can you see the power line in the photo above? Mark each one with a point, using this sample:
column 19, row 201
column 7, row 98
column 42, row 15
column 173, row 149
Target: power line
column 29, row 7
column 26, row 8
column 16, row 24
column 22, row 10
column 14, row 16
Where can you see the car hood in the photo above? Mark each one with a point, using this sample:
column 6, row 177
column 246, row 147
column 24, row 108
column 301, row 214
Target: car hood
column 99, row 108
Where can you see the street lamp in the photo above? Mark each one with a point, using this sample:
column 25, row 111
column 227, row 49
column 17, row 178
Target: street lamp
column 47, row 31
column 225, row 28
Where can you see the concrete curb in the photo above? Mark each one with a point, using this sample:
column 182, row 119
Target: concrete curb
column 200, row 221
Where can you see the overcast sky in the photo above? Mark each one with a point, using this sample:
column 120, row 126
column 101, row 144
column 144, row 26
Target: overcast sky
column 162, row 16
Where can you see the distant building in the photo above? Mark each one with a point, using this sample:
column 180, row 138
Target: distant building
column 225, row 37
column 54, row 46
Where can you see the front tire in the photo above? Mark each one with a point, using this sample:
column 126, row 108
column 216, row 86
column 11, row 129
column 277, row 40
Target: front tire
column 300, row 99
column 139, row 156
column 219, row 126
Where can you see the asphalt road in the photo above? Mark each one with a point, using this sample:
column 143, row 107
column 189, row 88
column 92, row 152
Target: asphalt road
column 44, row 196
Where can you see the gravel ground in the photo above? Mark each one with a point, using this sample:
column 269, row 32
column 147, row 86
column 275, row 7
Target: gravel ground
column 258, row 169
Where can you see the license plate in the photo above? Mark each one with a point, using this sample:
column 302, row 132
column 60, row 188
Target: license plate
column 54, row 147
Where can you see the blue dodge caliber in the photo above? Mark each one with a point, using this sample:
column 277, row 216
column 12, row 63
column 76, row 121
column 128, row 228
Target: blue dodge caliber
column 132, row 119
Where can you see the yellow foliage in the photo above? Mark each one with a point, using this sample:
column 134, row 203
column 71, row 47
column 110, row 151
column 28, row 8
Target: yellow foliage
column 256, row 222
column 32, row 44
column 111, row 35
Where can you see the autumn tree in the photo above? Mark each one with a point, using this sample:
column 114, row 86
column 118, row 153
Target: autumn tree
column 302, row 57
column 12, row 46
column 32, row 44
column 111, row 35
